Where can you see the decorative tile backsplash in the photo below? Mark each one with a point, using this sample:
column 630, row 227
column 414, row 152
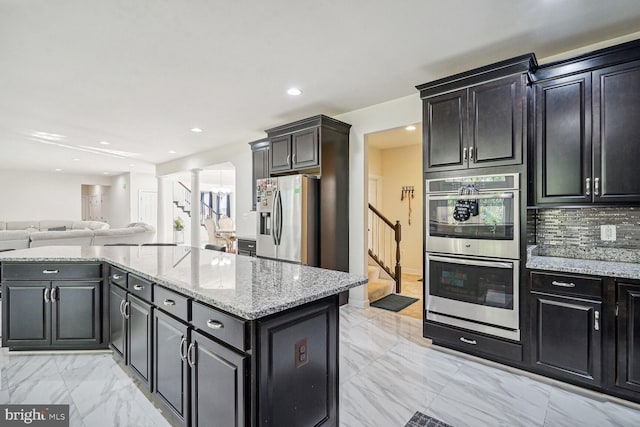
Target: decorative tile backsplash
column 575, row 233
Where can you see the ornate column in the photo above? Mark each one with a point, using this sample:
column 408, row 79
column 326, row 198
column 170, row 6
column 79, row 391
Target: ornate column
column 195, row 207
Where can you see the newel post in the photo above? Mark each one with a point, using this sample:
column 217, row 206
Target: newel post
column 398, row 232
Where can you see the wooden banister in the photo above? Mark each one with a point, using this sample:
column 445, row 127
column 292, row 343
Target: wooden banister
column 382, row 256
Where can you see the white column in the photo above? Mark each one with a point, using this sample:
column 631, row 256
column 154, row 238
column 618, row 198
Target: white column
column 161, row 227
column 195, row 207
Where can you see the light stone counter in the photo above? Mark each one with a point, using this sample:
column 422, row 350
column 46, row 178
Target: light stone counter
column 248, row 287
column 626, row 270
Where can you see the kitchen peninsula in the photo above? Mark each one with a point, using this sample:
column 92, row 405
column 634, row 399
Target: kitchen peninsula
column 211, row 335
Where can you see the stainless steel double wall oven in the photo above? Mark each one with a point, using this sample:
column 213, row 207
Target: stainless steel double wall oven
column 472, row 259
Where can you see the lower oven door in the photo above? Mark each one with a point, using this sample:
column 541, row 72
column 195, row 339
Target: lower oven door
column 480, row 294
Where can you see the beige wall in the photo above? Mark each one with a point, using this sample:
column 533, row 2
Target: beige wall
column 375, row 161
column 403, row 167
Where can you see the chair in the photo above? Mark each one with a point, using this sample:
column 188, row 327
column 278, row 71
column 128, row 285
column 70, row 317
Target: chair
column 225, row 223
column 212, row 232
column 159, row 244
column 216, row 248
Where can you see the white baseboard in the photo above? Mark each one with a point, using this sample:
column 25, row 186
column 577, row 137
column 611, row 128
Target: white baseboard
column 412, row 271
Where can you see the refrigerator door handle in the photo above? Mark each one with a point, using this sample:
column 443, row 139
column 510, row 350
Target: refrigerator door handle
column 279, row 217
column 274, row 219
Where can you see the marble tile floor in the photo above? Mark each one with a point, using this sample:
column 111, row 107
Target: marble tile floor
column 387, row 372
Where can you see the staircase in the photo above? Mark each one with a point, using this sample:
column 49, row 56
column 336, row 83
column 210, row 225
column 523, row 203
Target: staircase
column 182, row 199
column 380, row 284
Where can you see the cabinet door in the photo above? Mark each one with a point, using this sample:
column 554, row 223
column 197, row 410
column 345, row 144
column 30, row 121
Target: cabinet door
column 445, row 118
column 628, row 340
column 566, row 337
column 260, row 170
column 26, row 300
column 616, row 133
column 304, row 149
column 497, row 122
column 280, row 154
column 563, row 140
column 138, row 315
column 76, row 314
column 117, row 322
column 218, row 384
column 170, row 369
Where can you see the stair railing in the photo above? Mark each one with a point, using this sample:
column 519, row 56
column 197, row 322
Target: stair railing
column 384, row 237
column 182, row 199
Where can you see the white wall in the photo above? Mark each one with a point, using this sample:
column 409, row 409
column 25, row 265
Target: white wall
column 28, row 195
column 120, row 201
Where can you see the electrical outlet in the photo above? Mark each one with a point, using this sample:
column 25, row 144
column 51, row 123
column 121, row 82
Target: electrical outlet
column 608, row 233
column 301, row 353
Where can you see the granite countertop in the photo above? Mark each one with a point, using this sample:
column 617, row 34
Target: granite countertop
column 248, row 287
column 543, row 259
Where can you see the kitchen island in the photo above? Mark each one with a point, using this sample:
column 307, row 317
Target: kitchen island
column 216, row 338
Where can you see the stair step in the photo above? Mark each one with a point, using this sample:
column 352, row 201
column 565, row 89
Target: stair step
column 373, row 272
column 380, row 288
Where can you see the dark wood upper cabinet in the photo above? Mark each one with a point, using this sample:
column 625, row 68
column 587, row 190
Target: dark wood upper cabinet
column 587, row 132
column 563, row 140
column 445, row 118
column 628, row 337
column 280, row 154
column 304, row 149
column 616, row 133
column 260, row 161
column 477, row 118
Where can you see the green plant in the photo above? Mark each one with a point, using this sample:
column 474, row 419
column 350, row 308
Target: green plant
column 178, row 225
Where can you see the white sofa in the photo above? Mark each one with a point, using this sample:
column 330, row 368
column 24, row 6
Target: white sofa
column 25, row 234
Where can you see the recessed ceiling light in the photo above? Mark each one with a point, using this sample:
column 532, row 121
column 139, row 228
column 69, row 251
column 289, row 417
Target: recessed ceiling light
column 410, row 128
column 131, row 165
column 58, row 170
column 294, row 91
column 196, row 130
column 172, row 152
column 105, row 173
column 105, row 142
column 76, row 160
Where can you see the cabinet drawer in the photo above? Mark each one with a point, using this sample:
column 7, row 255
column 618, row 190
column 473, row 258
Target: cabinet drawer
column 567, row 284
column 139, row 287
column 118, row 277
column 171, row 302
column 220, row 325
column 50, row 271
column 473, row 343
column 246, row 245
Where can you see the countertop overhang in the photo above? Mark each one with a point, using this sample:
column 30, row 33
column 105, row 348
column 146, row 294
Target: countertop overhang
column 248, row 287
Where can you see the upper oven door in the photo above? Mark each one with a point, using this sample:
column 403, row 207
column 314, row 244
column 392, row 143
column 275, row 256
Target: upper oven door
column 491, row 230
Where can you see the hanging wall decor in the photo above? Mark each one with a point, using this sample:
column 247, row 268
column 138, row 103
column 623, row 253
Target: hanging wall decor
column 407, row 193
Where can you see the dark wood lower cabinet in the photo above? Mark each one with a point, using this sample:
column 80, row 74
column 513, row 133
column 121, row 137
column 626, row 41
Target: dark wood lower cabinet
column 117, row 322
column 218, row 384
column 76, row 314
column 138, row 315
column 567, row 341
column 26, row 300
column 628, row 338
column 170, row 368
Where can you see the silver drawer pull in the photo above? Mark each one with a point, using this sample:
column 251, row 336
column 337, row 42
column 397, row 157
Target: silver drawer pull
column 563, row 284
column 50, row 271
column 169, row 302
column 116, row 277
column 214, row 324
column 466, row 341
column 251, row 246
column 138, row 287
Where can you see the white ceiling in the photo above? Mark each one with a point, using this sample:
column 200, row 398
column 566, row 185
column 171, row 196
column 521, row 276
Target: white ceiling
column 140, row 74
column 395, row 138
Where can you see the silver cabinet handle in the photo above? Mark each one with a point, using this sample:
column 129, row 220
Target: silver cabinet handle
column 596, row 320
column 183, row 348
column 214, row 324
column 138, row 287
column 126, row 310
column 587, row 185
column 191, row 355
column 294, row 159
column 54, row 294
column 596, row 187
column 464, row 154
column 122, row 307
column 46, row 295
column 563, row 284
column 470, row 153
column 169, row 302
column 50, row 271
column 288, row 160
column 466, row 341
column 116, row 277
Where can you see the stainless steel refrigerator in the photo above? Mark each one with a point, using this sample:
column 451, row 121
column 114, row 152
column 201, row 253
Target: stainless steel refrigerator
column 288, row 219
